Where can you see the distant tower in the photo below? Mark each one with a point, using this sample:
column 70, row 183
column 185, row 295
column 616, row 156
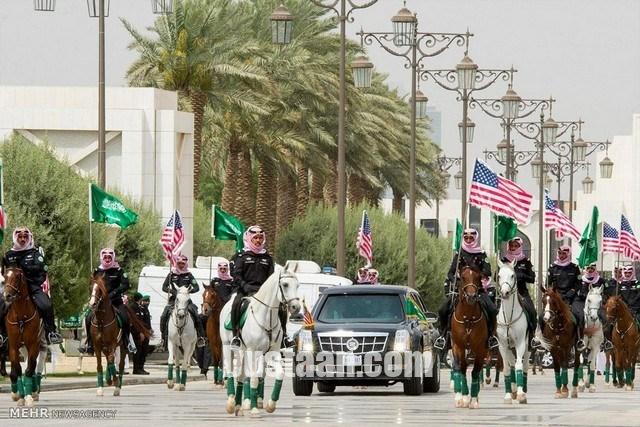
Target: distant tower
column 435, row 125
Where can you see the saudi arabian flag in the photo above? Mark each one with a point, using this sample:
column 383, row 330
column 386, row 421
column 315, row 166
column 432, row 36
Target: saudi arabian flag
column 457, row 238
column 413, row 310
column 225, row 226
column 3, row 217
column 505, row 230
column 589, row 241
column 105, row 208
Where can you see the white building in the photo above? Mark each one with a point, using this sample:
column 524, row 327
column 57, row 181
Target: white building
column 149, row 143
column 619, row 194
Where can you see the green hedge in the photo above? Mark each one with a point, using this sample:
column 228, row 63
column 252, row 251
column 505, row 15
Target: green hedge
column 313, row 237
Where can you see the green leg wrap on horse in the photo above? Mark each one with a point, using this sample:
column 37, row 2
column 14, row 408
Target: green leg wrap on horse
column 576, row 375
column 629, row 375
column 487, row 370
column 239, row 389
column 20, row 387
column 451, row 375
column 14, row 387
column 247, row 388
column 217, row 374
column 558, row 379
column 565, row 376
column 177, row 374
column 183, row 380
column 620, row 375
column 38, row 382
column 457, row 382
column 100, row 379
column 475, row 384
column 592, row 376
column 261, row 388
column 170, row 371
column 519, row 378
column 111, row 367
column 524, row 381
column 27, row 383
column 606, row 375
column 465, row 386
column 275, row 393
column 254, row 397
column 497, row 378
column 121, row 382
column 231, row 389
column 507, row 383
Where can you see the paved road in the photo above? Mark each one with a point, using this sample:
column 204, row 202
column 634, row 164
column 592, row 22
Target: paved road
column 157, row 406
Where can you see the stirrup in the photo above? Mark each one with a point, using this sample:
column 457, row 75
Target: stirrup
column 581, row 345
column 202, row 342
column 535, row 342
column 440, row 342
column 131, row 347
column 607, row 345
column 3, row 339
column 54, row 338
column 85, row 349
column 287, row 342
column 235, row 343
column 492, row 342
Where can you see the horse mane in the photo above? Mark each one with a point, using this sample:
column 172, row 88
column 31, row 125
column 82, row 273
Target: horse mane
column 620, row 303
column 563, row 307
column 99, row 280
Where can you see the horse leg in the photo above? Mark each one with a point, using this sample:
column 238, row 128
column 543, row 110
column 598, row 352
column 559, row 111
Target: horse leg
column 475, row 383
column 120, row 354
column 170, row 366
column 227, row 364
column 277, row 386
column 521, row 353
column 499, row 367
column 40, row 365
column 457, row 380
column 99, row 374
column 577, row 368
column 558, row 378
column 619, row 368
column 28, row 379
column 256, row 375
column 17, row 389
column 507, row 362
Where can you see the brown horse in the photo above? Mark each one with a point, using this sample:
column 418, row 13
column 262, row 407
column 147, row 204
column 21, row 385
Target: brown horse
column 24, row 328
column 559, row 337
column 106, row 335
column 468, row 333
column 625, row 338
column 211, row 307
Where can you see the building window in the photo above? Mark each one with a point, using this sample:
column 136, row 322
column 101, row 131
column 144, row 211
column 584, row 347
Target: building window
column 431, row 225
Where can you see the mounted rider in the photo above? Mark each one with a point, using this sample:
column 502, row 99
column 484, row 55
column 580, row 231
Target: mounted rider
column 224, row 285
column 524, row 275
column 30, row 260
column 362, row 278
column 564, row 276
column 117, row 284
column 180, row 277
column 630, row 290
column 590, row 279
column 252, row 268
column 471, row 255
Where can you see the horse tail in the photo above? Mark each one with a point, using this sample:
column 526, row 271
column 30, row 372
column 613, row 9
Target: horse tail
column 544, row 342
column 136, row 324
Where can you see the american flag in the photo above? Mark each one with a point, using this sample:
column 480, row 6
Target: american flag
column 172, row 239
column 554, row 218
column 500, row 195
column 628, row 241
column 364, row 241
column 308, row 322
column 610, row 240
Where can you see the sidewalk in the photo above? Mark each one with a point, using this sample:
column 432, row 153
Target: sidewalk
column 157, row 375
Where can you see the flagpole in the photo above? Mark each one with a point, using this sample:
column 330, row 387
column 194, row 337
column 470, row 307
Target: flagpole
column 90, row 231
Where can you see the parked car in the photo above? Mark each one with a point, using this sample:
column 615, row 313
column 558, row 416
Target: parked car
column 367, row 335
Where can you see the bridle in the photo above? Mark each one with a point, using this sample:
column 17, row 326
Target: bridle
column 17, row 294
column 97, row 306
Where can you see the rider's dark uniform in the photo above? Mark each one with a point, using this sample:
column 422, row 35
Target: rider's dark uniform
column 525, row 275
column 630, row 293
column 224, row 288
column 581, row 298
column 474, row 260
column 32, row 264
column 565, row 279
column 171, row 285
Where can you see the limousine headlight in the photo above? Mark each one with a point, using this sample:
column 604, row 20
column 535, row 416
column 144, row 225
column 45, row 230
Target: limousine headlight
column 402, row 341
column 305, row 340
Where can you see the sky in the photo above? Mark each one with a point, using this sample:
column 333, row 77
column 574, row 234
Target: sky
column 585, row 53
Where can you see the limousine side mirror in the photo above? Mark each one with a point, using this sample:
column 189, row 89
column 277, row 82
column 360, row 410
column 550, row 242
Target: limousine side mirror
column 431, row 317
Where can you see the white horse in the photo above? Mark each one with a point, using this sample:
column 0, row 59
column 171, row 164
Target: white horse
column 512, row 335
column 182, row 339
column 261, row 333
column 594, row 341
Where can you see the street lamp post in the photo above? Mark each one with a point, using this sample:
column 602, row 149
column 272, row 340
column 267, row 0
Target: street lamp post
column 444, row 164
column 100, row 9
column 406, row 42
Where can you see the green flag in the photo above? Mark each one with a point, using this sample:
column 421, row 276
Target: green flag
column 105, row 208
column 3, row 217
column 589, row 241
column 225, row 226
column 505, row 230
column 457, row 238
column 413, row 310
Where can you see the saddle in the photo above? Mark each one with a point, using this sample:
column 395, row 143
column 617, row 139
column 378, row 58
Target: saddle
column 243, row 316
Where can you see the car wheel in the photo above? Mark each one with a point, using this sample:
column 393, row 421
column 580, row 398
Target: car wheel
column 302, row 387
column 432, row 384
column 324, row 387
column 546, row 360
column 413, row 386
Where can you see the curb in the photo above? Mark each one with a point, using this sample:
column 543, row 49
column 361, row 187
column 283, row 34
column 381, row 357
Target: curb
column 77, row 385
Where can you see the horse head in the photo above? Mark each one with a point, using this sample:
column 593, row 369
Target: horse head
column 288, row 288
column 183, row 297
column 211, row 302
column 470, row 282
column 15, row 285
column 613, row 307
column 554, row 305
column 507, row 278
column 99, row 291
column 593, row 303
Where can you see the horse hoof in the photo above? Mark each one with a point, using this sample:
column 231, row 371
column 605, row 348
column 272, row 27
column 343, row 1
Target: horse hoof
column 255, row 413
column 231, row 405
column 507, row 399
column 458, row 403
column 465, row 401
column 28, row 401
column 574, row 393
column 170, row 384
column 246, row 404
column 182, row 387
column 116, row 391
column 238, row 411
column 521, row 398
column 36, row 397
column 495, row 385
column 628, row 388
column 557, row 395
column 514, row 395
column 100, row 392
column 474, row 404
column 487, row 381
column 109, row 382
column 271, row 406
column 20, row 402
column 592, row 389
column 15, row 397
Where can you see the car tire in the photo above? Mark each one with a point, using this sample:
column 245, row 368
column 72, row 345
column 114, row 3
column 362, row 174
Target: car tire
column 412, row 386
column 302, row 387
column 546, row 360
column 324, row 387
column 432, row 384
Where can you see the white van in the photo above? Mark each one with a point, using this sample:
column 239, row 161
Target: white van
column 311, row 282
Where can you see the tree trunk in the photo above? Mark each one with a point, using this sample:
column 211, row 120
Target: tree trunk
column 286, row 201
column 265, row 206
column 331, row 185
column 302, row 190
column 198, row 101
column 244, row 203
column 230, row 177
column 317, row 184
column 355, row 189
column 397, row 204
